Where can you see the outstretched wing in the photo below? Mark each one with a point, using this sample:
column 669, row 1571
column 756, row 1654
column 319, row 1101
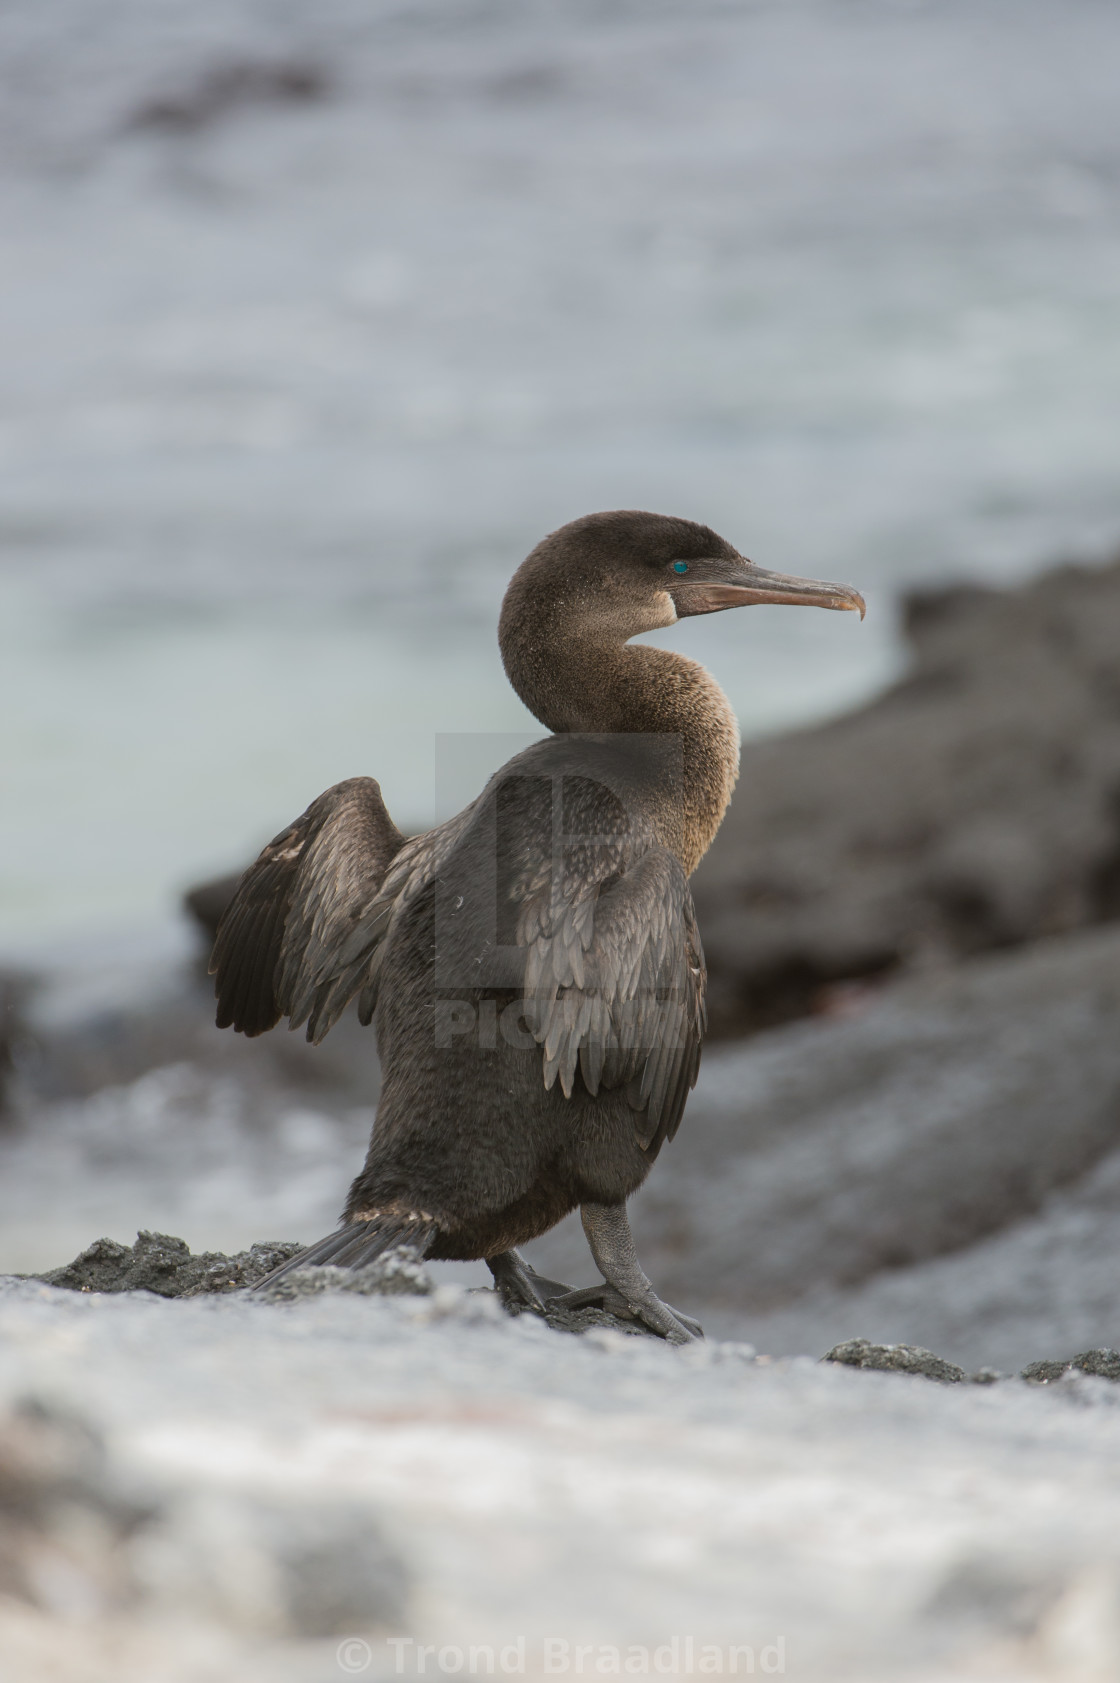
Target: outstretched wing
column 613, row 980
column 296, row 909
column 614, row 984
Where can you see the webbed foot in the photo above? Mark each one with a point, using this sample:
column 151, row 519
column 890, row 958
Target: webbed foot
column 647, row 1307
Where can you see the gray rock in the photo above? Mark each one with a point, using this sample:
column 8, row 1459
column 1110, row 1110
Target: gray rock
column 321, row 1477
column 78, row 1034
column 15, row 989
column 1104, row 1364
column 83, row 1538
column 1047, row 1283
column 1044, row 1372
column 974, row 806
column 206, row 902
column 268, row 1567
column 224, row 90
column 216, row 1151
column 164, row 1265
column 65, row 1515
column 1101, row 1364
column 397, row 1273
column 940, row 1168
column 821, row 1156
column 895, row 1358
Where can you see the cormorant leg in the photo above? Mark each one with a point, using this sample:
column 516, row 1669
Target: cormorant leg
column 627, row 1290
column 521, row 1286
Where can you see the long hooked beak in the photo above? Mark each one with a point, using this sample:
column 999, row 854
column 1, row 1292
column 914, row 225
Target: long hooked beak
column 750, row 584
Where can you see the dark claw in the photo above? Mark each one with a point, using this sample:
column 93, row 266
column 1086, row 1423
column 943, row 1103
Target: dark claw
column 659, row 1317
column 596, row 1297
column 686, row 1321
column 521, row 1287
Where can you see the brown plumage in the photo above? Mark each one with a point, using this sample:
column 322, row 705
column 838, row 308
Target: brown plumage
column 533, row 964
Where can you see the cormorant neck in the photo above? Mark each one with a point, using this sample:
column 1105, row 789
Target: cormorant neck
column 593, row 680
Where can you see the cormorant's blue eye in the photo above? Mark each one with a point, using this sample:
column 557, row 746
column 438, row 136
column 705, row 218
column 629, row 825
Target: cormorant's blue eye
column 680, row 566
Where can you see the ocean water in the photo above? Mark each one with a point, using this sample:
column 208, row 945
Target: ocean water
column 313, row 319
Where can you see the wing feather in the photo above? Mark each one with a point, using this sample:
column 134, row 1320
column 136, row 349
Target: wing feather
column 614, row 985
column 613, row 973
column 275, row 950
column 306, row 929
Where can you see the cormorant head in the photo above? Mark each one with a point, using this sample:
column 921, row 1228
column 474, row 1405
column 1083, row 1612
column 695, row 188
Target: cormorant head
column 616, row 574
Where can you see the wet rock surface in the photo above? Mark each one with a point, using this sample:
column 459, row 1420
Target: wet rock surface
column 974, row 806
column 940, row 1167
column 65, row 1519
column 1102, row 1364
column 943, row 1168
column 241, row 1488
column 164, row 1265
column 14, row 989
column 895, row 1358
column 94, row 1544
column 396, row 1274
column 227, row 89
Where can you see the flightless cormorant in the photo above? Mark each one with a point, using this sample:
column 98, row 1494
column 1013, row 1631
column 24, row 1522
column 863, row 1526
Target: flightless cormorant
column 533, row 963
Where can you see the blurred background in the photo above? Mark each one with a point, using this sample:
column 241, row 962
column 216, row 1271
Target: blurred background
column 315, row 320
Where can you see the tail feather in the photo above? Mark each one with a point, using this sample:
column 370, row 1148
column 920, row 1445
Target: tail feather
column 357, row 1243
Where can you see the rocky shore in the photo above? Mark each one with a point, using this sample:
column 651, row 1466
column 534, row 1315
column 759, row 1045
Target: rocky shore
column 219, row 1486
column 915, row 911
